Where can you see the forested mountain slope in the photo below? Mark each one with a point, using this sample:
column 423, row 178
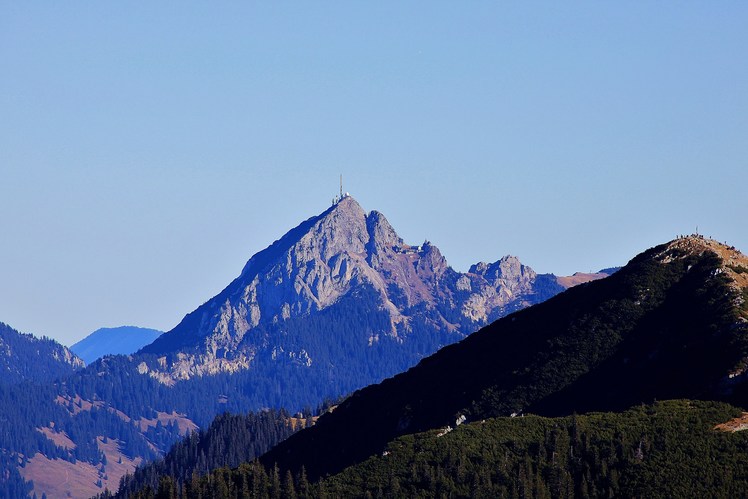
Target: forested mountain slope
column 229, row 441
column 670, row 324
column 24, row 357
column 677, row 448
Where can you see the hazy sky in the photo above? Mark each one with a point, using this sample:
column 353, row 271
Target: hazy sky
column 148, row 149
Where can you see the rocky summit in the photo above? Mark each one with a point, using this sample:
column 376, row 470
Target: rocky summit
column 340, row 259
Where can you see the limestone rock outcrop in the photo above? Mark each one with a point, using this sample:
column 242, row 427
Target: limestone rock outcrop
column 327, row 258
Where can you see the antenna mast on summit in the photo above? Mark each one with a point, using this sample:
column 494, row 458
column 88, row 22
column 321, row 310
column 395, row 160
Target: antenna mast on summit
column 341, row 186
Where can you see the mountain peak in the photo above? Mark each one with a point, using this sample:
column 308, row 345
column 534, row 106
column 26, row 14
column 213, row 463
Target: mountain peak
column 696, row 244
column 508, row 267
column 693, row 244
column 734, row 263
column 343, row 259
column 344, row 211
column 347, row 203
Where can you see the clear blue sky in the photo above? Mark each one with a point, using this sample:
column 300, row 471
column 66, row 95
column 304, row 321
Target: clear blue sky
column 147, row 151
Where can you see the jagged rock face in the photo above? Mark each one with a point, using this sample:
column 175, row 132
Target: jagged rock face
column 507, row 272
column 324, row 259
column 66, row 356
column 500, row 283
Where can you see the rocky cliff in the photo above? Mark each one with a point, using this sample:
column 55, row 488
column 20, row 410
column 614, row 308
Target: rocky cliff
column 334, row 255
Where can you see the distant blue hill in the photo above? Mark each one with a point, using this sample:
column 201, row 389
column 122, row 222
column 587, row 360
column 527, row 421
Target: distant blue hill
column 113, row 340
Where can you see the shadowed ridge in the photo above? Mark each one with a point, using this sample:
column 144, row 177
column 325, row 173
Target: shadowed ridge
column 667, row 325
